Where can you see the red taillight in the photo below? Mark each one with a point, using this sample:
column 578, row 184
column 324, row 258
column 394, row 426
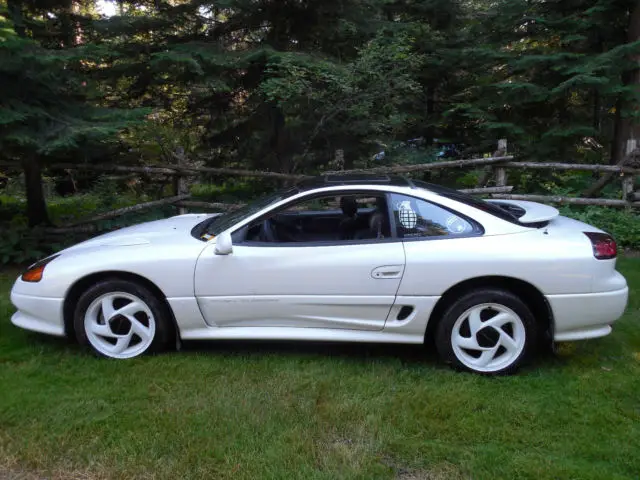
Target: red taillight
column 604, row 246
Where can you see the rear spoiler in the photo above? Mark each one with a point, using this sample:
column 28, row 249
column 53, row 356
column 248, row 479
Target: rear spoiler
column 527, row 212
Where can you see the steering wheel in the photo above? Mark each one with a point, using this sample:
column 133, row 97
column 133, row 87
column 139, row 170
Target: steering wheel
column 268, row 232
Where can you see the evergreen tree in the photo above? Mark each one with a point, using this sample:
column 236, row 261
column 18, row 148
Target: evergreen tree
column 548, row 75
column 46, row 111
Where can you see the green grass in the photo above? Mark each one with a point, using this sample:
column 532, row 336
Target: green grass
column 242, row 410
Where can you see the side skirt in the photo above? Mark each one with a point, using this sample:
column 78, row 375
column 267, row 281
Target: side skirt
column 288, row 333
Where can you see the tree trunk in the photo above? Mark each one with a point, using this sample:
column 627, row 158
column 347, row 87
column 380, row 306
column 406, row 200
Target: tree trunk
column 14, row 8
column 626, row 125
column 36, row 205
column 620, row 135
column 596, row 112
column 431, row 108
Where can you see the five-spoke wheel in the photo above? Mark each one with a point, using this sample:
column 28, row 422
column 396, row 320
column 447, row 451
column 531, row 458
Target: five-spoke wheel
column 121, row 319
column 486, row 331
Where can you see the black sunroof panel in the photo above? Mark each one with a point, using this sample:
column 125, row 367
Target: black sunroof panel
column 351, row 179
column 357, row 178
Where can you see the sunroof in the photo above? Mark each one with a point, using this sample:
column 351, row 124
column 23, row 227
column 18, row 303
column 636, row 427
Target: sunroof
column 356, row 178
column 335, row 179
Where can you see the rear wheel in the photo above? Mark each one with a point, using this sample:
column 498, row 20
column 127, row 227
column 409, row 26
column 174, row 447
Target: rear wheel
column 121, row 319
column 486, row 331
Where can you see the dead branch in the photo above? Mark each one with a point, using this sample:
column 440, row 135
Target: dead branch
column 632, row 151
column 208, row 205
column 505, row 189
column 423, row 166
column 124, row 210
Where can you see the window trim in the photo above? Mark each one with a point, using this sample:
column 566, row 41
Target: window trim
column 322, row 243
column 479, row 229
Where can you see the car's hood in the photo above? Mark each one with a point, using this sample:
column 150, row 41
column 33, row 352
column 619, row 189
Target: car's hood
column 164, row 231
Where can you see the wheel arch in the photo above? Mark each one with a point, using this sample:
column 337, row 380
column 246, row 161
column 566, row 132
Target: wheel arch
column 524, row 290
column 81, row 285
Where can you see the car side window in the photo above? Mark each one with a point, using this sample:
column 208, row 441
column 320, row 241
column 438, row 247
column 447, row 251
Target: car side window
column 417, row 218
column 339, row 217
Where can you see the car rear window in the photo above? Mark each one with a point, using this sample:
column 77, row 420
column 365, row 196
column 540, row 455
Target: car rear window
column 470, row 200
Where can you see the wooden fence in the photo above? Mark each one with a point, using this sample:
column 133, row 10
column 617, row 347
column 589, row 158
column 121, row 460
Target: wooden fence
column 495, row 172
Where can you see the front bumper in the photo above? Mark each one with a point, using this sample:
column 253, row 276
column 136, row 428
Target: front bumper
column 589, row 315
column 40, row 314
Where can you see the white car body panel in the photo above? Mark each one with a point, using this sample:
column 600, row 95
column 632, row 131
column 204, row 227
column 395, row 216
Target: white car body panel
column 304, row 286
column 330, row 292
column 40, row 314
column 584, row 315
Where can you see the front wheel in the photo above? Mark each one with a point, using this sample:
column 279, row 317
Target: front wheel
column 486, row 331
column 121, row 319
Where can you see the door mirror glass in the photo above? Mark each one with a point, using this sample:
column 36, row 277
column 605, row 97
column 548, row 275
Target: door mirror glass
column 224, row 245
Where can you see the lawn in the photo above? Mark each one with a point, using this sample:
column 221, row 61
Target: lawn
column 242, row 410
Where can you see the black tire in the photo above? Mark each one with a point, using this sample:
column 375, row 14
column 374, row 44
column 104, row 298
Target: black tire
column 163, row 332
column 521, row 333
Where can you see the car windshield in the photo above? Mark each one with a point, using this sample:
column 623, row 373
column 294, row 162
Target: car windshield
column 467, row 199
column 219, row 224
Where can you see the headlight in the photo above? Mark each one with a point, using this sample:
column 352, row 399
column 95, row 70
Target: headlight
column 35, row 271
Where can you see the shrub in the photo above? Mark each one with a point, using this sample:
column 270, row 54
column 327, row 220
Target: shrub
column 624, row 225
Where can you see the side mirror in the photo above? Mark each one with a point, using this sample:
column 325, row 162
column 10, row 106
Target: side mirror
column 224, row 245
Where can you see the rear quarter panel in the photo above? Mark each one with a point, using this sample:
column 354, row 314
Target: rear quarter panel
column 553, row 262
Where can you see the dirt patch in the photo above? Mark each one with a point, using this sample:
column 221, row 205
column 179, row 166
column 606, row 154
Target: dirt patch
column 11, row 474
column 439, row 472
column 15, row 473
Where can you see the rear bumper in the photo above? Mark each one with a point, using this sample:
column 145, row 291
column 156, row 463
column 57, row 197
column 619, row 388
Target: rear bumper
column 589, row 315
column 39, row 314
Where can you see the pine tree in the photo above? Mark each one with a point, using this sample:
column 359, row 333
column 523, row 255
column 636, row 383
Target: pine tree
column 277, row 85
column 548, row 75
column 46, row 107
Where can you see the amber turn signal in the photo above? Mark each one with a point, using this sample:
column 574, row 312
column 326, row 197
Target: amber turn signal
column 35, row 272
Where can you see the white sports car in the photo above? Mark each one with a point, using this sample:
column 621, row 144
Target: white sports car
column 338, row 258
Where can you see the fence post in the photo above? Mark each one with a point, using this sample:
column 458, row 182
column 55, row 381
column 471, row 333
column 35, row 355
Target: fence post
column 180, row 183
column 501, row 172
column 489, row 171
column 628, row 180
column 339, row 159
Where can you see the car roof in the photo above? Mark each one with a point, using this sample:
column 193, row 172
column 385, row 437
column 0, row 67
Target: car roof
column 364, row 179
column 336, row 179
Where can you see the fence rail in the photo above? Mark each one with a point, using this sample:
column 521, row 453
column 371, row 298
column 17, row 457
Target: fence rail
column 494, row 166
column 504, row 162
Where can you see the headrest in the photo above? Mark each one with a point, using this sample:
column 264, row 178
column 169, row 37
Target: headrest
column 349, row 206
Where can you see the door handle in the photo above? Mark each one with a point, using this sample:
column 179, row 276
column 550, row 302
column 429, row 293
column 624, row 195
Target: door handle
column 388, row 271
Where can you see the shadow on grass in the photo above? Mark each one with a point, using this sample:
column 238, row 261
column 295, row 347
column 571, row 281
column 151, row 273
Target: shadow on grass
column 345, row 350
column 407, row 354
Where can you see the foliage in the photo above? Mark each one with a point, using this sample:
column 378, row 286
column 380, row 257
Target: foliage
column 624, row 225
column 21, row 244
column 49, row 108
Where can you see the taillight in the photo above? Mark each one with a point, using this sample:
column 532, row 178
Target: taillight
column 604, row 246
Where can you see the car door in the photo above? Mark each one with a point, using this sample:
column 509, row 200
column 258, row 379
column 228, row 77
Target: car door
column 340, row 284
